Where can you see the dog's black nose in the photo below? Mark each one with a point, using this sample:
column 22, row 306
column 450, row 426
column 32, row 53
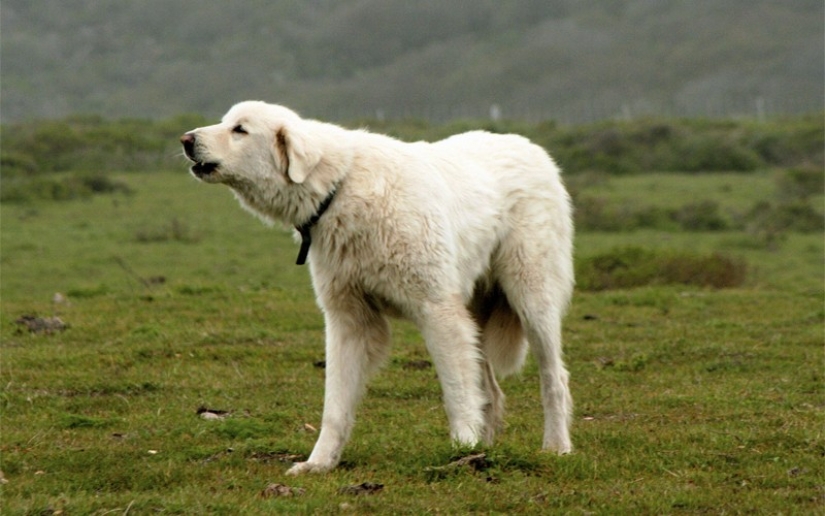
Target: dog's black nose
column 188, row 141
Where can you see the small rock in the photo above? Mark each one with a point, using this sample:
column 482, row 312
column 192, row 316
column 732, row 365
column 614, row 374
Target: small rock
column 211, row 414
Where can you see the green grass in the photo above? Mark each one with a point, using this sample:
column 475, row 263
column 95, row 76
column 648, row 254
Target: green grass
column 688, row 400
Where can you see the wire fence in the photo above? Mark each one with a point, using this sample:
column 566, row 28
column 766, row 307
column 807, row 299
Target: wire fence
column 754, row 107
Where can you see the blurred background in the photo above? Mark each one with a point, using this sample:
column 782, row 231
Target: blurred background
column 692, row 139
column 572, row 61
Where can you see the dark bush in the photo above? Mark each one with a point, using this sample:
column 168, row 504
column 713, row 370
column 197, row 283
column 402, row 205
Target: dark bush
column 619, row 147
column 628, row 267
column 101, row 183
column 710, row 153
column 801, row 217
column 714, row 270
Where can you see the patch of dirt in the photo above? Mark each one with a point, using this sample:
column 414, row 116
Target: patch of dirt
column 45, row 325
column 272, row 490
column 364, row 488
column 417, row 364
column 277, row 456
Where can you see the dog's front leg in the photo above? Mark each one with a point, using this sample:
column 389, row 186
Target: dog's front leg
column 355, row 345
column 451, row 337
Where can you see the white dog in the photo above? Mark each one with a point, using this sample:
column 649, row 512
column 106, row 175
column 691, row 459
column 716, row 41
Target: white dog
column 469, row 237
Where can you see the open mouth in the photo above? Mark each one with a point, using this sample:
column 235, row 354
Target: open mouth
column 203, row 169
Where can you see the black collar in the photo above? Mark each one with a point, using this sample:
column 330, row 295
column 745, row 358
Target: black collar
column 304, row 229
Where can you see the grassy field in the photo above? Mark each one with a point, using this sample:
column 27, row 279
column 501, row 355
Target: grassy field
column 688, row 400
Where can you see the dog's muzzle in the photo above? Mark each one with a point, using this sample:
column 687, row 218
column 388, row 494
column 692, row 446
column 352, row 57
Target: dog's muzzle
column 200, row 168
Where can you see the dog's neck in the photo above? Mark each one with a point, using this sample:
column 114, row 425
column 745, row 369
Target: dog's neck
column 306, row 228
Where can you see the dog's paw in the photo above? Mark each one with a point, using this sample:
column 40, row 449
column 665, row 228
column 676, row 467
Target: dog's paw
column 299, row 468
column 559, row 448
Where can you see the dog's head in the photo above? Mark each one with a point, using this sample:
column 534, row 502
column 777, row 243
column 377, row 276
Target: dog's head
column 255, row 143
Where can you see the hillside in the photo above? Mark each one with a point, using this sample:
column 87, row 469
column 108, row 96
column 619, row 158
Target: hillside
column 439, row 59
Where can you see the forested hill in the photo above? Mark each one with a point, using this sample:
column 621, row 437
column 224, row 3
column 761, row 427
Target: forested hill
column 571, row 60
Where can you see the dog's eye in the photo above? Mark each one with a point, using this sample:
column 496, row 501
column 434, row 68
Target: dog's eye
column 238, row 129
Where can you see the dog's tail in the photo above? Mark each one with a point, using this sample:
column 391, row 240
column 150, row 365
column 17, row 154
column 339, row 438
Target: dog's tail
column 502, row 338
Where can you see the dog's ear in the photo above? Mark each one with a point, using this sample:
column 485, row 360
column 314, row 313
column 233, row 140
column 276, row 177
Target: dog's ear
column 296, row 153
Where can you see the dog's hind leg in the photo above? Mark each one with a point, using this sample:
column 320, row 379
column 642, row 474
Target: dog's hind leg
column 540, row 308
column 544, row 335
column 538, row 284
column 357, row 342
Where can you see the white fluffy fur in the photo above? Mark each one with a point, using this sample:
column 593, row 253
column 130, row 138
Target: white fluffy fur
column 469, row 237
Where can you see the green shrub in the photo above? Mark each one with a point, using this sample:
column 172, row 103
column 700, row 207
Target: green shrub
column 628, row 267
column 700, row 216
column 789, row 142
column 769, row 221
column 620, row 147
column 15, row 164
column 82, row 143
column 59, row 187
column 800, row 183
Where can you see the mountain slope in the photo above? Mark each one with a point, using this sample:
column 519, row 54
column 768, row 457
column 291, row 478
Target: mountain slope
column 571, row 60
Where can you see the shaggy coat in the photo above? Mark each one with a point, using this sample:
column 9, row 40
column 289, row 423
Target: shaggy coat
column 469, row 237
